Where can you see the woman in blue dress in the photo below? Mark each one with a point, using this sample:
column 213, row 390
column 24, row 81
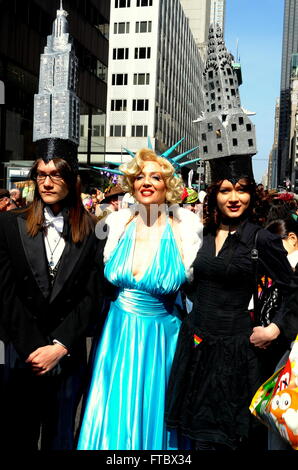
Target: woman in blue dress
column 148, row 254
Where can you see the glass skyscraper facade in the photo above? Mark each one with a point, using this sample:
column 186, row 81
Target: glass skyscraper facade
column 289, row 47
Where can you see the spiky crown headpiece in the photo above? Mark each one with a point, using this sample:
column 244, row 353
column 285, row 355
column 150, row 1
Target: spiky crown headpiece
column 166, row 154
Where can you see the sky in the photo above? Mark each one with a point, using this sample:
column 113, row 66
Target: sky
column 258, row 27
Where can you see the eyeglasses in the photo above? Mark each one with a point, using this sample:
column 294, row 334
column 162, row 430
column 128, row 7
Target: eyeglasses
column 40, row 178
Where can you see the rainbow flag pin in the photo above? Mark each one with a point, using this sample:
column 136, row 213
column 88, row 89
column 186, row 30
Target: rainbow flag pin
column 197, row 340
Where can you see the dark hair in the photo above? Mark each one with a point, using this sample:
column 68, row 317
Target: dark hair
column 283, row 227
column 279, row 209
column 81, row 223
column 212, row 215
column 4, row 193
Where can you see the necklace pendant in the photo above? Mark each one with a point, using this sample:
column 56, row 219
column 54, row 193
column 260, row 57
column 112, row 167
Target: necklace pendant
column 51, row 263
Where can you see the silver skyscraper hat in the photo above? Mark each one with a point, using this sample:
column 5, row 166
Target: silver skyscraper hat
column 56, row 106
column 227, row 135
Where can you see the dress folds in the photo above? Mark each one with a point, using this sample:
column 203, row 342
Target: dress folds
column 215, row 371
column 125, row 404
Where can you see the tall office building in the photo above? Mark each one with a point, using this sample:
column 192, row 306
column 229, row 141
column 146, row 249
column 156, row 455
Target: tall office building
column 217, row 13
column 272, row 162
column 201, row 14
column 198, row 14
column 290, row 47
column 154, row 78
column 293, row 175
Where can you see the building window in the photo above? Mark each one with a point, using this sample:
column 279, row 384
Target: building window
column 122, row 3
column 250, row 142
column 139, row 131
column 120, row 53
column 142, row 52
column 241, row 121
column 140, row 105
column 233, row 92
column 205, row 149
column 119, row 79
column 248, row 127
column 143, row 26
column 234, row 127
column 204, row 137
column 213, row 107
column 121, row 28
column 141, row 78
column 231, row 81
column 117, row 131
column 219, row 147
column 98, row 130
column 210, row 74
column 144, row 3
column 210, row 127
column 82, row 130
column 235, row 142
column 118, row 105
column 101, row 71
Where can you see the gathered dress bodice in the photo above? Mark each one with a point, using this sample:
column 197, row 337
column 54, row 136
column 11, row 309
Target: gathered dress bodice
column 163, row 276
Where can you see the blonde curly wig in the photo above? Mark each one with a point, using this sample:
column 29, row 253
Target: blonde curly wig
column 174, row 184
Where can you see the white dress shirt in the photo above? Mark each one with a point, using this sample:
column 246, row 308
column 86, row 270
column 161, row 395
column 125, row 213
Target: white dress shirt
column 54, row 242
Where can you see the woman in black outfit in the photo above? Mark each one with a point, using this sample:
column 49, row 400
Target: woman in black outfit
column 215, row 370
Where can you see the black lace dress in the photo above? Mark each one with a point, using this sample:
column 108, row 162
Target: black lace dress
column 215, row 370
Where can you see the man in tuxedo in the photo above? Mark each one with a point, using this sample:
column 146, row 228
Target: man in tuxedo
column 50, row 291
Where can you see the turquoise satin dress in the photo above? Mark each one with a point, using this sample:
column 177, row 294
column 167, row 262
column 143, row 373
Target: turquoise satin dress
column 125, row 404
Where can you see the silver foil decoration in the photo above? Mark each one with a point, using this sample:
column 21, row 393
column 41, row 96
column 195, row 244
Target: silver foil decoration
column 224, row 126
column 56, row 106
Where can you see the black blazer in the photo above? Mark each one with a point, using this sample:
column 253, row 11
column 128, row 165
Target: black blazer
column 32, row 313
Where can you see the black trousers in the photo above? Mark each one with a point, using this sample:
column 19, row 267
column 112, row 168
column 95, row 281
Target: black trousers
column 39, row 412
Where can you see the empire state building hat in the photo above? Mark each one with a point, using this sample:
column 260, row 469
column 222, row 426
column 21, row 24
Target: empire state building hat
column 56, row 106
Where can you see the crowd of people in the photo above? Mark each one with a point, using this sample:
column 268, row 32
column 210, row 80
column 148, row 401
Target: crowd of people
column 161, row 277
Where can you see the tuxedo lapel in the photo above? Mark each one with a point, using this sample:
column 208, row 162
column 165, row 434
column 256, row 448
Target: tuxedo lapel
column 35, row 253
column 69, row 259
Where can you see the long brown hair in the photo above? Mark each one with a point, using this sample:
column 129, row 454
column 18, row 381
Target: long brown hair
column 212, row 215
column 80, row 221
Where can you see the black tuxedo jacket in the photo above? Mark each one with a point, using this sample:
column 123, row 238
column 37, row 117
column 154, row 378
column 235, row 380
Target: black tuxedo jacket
column 32, row 313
